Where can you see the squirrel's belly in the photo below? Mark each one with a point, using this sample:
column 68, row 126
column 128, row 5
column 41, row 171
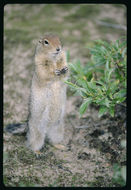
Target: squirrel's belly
column 50, row 102
column 57, row 102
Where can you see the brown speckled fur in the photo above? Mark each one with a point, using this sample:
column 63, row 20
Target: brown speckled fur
column 48, row 95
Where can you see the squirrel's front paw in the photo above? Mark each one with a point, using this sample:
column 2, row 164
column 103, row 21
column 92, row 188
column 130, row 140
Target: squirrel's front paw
column 57, row 72
column 64, row 70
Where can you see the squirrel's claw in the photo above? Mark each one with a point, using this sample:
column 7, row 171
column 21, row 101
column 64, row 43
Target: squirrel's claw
column 64, row 70
column 57, row 72
column 38, row 154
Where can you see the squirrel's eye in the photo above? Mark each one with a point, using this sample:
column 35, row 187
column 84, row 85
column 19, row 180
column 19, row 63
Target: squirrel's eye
column 46, row 42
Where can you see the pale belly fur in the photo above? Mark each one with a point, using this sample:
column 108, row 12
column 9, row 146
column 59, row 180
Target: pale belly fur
column 49, row 102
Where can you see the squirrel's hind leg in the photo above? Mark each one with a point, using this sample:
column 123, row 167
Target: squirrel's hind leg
column 56, row 136
column 37, row 130
column 35, row 139
column 56, row 133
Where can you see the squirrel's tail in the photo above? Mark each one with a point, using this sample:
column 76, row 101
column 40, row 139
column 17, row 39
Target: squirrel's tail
column 18, row 128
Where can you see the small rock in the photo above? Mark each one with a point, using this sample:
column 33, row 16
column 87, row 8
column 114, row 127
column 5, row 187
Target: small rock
column 97, row 133
column 84, row 156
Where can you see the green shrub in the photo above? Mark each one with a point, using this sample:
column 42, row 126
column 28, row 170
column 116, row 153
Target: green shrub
column 102, row 80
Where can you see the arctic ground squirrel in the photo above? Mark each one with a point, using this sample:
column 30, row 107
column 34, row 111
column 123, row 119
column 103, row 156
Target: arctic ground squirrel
column 47, row 95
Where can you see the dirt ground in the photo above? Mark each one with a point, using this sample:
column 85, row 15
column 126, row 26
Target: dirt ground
column 93, row 144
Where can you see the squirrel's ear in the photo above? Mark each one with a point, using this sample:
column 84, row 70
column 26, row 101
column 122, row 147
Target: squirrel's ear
column 40, row 40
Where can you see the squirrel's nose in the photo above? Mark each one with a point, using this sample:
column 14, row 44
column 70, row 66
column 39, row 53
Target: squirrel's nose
column 57, row 49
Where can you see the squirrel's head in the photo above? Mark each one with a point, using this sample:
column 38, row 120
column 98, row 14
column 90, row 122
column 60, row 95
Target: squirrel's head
column 50, row 45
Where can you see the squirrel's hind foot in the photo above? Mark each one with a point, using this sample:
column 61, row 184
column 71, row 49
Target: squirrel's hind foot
column 38, row 154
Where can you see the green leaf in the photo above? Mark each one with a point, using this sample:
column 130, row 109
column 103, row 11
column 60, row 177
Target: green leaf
column 83, row 83
column 92, row 86
column 108, row 74
column 103, row 50
column 103, row 102
column 102, row 111
column 88, row 75
column 73, row 67
column 84, row 106
column 102, row 84
column 107, row 64
column 112, row 111
column 120, row 100
column 82, row 93
column 120, row 94
column 77, row 88
column 77, row 68
column 107, row 102
column 71, row 84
